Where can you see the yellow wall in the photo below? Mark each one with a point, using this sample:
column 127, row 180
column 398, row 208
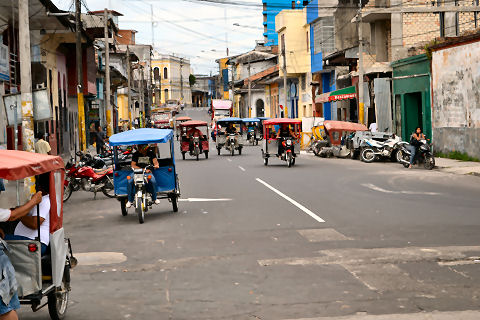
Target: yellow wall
column 122, row 104
column 165, row 83
column 223, row 65
column 292, row 24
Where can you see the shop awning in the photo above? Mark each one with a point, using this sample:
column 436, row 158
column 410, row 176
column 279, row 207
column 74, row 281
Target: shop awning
column 343, row 94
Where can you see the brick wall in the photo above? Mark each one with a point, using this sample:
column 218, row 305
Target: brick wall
column 419, row 28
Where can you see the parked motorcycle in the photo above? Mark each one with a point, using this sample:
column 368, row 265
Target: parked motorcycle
column 88, row 179
column 424, row 154
column 373, row 149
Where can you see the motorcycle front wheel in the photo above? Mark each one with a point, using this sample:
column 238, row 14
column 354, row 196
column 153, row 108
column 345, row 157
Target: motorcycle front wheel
column 140, row 210
column 289, row 159
column 58, row 300
column 429, row 162
column 368, row 155
column 67, row 191
column 108, row 189
column 232, row 151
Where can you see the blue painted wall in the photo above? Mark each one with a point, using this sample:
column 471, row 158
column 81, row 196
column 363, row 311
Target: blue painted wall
column 312, row 15
column 327, row 106
column 273, row 8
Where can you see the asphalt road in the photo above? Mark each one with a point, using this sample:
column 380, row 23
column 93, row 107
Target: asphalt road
column 326, row 238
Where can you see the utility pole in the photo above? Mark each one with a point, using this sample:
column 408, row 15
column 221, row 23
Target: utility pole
column 181, row 80
column 142, row 97
column 108, row 105
column 26, row 86
column 153, row 25
column 78, row 53
column 226, row 31
column 249, row 91
column 361, row 107
column 129, row 89
column 284, row 77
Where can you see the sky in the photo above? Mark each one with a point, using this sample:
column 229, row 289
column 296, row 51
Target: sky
column 187, row 28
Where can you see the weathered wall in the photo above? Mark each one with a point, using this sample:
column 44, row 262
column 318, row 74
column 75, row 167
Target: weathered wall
column 456, row 98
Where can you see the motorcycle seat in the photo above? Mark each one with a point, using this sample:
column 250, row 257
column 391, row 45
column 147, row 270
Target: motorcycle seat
column 101, row 171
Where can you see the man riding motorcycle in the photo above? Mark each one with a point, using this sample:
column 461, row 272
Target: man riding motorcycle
column 192, row 133
column 142, row 158
column 284, row 132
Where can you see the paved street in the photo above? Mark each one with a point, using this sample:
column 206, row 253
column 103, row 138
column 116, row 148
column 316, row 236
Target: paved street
column 326, row 238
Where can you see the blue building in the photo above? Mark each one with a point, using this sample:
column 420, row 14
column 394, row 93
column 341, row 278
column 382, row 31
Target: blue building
column 270, row 9
column 322, row 42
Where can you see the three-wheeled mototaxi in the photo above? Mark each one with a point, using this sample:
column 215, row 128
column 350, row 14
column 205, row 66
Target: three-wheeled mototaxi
column 252, row 130
column 167, row 185
column 38, row 276
column 178, row 128
column 192, row 143
column 286, row 148
column 231, row 141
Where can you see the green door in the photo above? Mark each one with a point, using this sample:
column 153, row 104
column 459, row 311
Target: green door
column 412, row 113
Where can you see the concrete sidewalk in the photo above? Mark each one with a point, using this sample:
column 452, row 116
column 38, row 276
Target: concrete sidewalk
column 458, row 166
column 455, row 315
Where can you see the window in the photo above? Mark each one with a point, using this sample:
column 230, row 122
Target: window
column 166, row 94
column 323, row 35
column 156, row 73
column 165, row 73
column 308, row 42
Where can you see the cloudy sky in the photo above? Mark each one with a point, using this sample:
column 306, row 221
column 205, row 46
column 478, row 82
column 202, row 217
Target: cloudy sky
column 187, row 28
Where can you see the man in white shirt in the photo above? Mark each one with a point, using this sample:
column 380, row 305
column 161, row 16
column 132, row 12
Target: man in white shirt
column 373, row 127
column 8, row 291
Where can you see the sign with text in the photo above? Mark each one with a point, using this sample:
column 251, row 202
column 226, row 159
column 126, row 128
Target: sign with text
column 41, row 106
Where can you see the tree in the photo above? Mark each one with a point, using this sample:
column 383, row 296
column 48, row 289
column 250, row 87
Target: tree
column 192, row 80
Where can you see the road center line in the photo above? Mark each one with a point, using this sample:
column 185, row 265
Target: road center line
column 229, row 160
column 295, row 203
column 242, row 168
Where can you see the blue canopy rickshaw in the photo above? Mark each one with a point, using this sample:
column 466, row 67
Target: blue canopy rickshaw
column 167, row 186
column 231, row 142
column 252, row 128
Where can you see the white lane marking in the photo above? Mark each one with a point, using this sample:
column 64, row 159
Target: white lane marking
column 375, row 188
column 204, row 200
column 295, row 203
column 242, row 168
column 229, row 160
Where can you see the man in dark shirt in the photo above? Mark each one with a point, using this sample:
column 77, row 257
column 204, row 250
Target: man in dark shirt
column 100, row 140
column 142, row 158
column 284, row 132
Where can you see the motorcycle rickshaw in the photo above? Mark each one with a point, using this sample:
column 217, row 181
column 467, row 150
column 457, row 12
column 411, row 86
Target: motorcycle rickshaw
column 165, row 176
column 178, row 121
column 337, row 138
column 38, row 276
column 289, row 146
column 231, row 141
column 199, row 144
column 252, row 126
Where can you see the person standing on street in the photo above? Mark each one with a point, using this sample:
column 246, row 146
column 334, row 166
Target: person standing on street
column 100, row 138
column 9, row 302
column 42, row 146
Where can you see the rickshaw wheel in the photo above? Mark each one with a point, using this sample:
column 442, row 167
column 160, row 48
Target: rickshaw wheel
column 58, row 301
column 289, row 160
column 218, row 150
column 239, row 151
column 265, row 161
column 206, row 154
column 174, row 199
column 183, row 155
column 232, row 151
column 198, row 156
column 123, row 205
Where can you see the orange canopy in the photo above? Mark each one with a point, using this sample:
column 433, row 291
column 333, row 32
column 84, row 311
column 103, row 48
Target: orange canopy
column 343, row 126
column 15, row 165
column 183, row 119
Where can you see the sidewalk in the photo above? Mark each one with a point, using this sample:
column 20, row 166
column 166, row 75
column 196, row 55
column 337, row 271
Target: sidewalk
column 458, row 166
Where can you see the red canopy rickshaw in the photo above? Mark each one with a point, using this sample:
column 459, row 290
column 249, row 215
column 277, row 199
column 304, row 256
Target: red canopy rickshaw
column 286, row 148
column 49, row 275
column 194, row 145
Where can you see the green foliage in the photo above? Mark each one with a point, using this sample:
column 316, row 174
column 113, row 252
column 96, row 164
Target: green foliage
column 428, row 51
column 192, row 80
column 457, row 156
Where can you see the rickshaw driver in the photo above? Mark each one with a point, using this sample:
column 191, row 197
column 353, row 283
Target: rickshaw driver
column 8, row 293
column 191, row 133
column 142, row 158
column 231, row 129
column 284, row 132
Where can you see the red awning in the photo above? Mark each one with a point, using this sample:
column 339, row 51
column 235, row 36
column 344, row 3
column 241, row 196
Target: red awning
column 15, row 165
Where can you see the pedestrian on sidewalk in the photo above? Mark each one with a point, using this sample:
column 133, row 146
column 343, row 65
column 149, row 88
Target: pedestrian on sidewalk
column 100, row 138
column 42, row 146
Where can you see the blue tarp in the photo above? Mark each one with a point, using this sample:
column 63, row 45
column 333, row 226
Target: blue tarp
column 141, row 136
column 232, row 119
column 250, row 120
